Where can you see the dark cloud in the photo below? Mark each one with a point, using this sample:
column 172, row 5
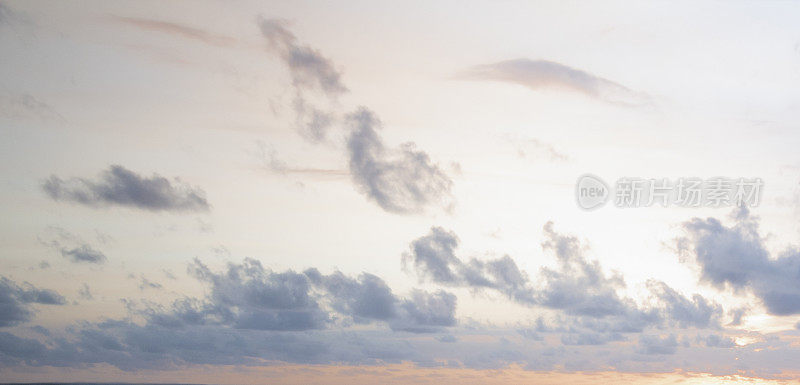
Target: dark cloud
column 122, row 187
column 16, row 300
column 734, row 257
column 399, row 181
column 540, row 74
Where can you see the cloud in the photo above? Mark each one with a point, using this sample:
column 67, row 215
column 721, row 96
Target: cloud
column 248, row 296
column 71, row 246
column 577, row 286
column 85, row 293
column 697, row 312
column 650, row 344
column 402, row 180
column 399, row 181
column 25, row 106
column 311, row 72
column 122, row 187
column 16, row 300
column 177, row 30
column 309, row 69
column 734, row 257
column 543, row 74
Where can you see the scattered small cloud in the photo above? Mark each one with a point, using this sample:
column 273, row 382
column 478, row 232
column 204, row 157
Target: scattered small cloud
column 85, row 293
column 26, row 106
column 71, row 246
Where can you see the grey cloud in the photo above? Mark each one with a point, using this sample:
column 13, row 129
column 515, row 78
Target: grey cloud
column 85, row 293
column 312, row 122
column 71, row 246
column 426, row 312
column 399, row 181
column 738, row 315
column 651, row 344
column 83, row 253
column 697, row 312
column 735, row 257
column 577, row 286
column 248, row 296
column 718, row 341
column 309, row 69
column 25, row 106
column 310, row 72
column 368, row 298
column 16, row 300
column 122, row 187
column 540, row 74
column 145, row 283
column 402, row 180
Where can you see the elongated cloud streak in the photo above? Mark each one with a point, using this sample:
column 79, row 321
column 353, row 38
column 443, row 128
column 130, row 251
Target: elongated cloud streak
column 119, row 186
column 543, row 74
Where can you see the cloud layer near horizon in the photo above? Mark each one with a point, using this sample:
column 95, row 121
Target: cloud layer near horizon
column 250, row 314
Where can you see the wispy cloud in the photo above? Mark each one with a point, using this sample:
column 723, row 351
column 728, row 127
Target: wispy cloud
column 176, row 29
column 544, row 74
column 403, row 180
column 71, row 246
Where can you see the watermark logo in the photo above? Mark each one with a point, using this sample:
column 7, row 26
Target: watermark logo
column 591, row 192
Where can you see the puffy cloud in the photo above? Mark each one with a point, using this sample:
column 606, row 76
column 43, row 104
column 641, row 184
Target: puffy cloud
column 577, row 286
column 734, row 257
column 122, row 187
column 539, row 74
column 16, row 300
column 697, row 312
column 248, row 296
column 399, row 181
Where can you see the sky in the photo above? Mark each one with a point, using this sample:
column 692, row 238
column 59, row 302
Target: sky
column 292, row 192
